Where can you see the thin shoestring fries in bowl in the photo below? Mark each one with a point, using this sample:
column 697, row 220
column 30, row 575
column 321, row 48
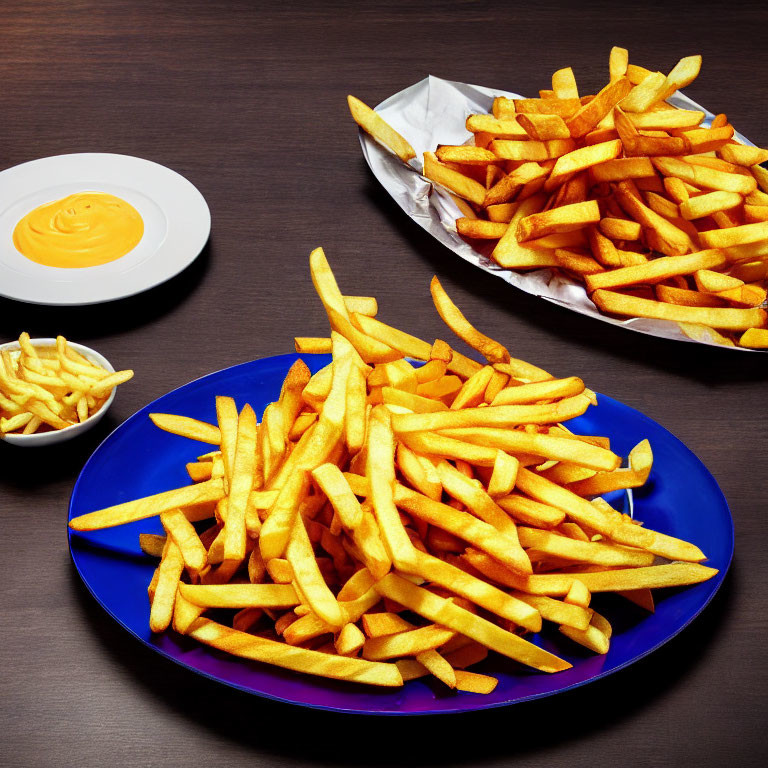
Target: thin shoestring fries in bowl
column 50, row 385
column 657, row 216
column 387, row 521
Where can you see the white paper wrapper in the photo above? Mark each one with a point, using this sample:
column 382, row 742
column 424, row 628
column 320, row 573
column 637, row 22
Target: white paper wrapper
column 434, row 111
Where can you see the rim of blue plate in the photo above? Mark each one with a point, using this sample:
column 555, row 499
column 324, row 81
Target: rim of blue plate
column 467, row 705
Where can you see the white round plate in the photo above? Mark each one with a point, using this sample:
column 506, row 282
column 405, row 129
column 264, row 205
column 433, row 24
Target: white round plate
column 177, row 223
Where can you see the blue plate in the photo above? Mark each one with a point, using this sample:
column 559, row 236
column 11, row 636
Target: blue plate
column 137, row 459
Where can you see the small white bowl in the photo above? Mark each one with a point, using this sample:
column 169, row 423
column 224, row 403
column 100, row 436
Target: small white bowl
column 60, row 435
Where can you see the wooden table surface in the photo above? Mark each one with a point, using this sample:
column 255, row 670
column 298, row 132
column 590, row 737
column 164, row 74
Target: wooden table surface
column 247, row 100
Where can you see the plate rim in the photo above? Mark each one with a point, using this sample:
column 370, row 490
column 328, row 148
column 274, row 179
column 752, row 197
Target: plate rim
column 201, row 215
column 288, row 358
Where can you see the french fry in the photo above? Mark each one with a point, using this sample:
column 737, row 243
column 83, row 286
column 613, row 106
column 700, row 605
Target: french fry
column 409, row 643
column 443, row 612
column 564, row 219
column 745, row 234
column 240, row 595
column 492, row 416
column 581, row 159
column 618, row 62
column 596, row 636
column 308, row 578
column 455, row 320
column 621, row 532
column 657, row 270
column 739, row 154
column 477, row 591
column 453, row 180
column 757, row 338
column 464, row 525
column 589, row 115
column 619, row 579
column 701, row 176
column 168, row 574
column 374, row 125
column 549, row 447
column 557, row 611
column 479, row 229
column 150, row 506
column 183, row 534
column 299, row 659
column 381, row 471
column 635, row 306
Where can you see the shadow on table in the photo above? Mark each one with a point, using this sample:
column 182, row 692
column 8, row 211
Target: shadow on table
column 695, row 361
column 303, row 734
column 32, row 468
column 105, row 319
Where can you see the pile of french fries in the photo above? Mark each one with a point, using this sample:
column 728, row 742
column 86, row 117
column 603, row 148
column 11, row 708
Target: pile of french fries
column 658, row 216
column 44, row 388
column 387, row 521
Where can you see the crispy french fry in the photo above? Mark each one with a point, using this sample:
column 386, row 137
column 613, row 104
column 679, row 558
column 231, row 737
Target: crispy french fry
column 455, row 320
column 447, row 614
column 127, row 512
column 376, row 126
column 299, row 659
column 727, row 318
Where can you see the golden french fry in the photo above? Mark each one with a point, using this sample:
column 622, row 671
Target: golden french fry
column 465, row 155
column 299, row 659
column 308, row 578
column 557, row 611
column 455, row 320
column 307, row 345
column 240, row 595
column 477, row 591
column 168, row 575
column 726, row 318
column 374, row 125
column 150, row 506
column 408, row 643
column 618, row 62
column 559, row 584
column 493, row 416
column 349, row 641
column 701, row 176
column 451, row 616
column 464, row 525
column 184, row 535
column 456, row 182
column 474, row 682
column 745, row 234
column 241, row 483
column 380, row 469
column 590, row 114
column 621, row 532
column 757, row 338
column 596, row 636
column 104, row 386
column 657, row 270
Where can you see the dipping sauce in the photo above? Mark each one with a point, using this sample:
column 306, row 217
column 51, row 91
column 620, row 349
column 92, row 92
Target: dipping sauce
column 82, row 230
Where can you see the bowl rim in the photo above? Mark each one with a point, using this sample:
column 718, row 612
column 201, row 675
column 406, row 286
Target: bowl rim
column 73, row 429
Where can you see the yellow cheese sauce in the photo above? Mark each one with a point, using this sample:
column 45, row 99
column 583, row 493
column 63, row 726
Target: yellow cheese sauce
column 82, row 230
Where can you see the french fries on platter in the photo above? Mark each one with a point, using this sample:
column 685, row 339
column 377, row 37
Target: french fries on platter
column 387, row 521
column 656, row 215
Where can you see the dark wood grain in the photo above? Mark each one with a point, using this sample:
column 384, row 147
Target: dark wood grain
column 247, row 100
